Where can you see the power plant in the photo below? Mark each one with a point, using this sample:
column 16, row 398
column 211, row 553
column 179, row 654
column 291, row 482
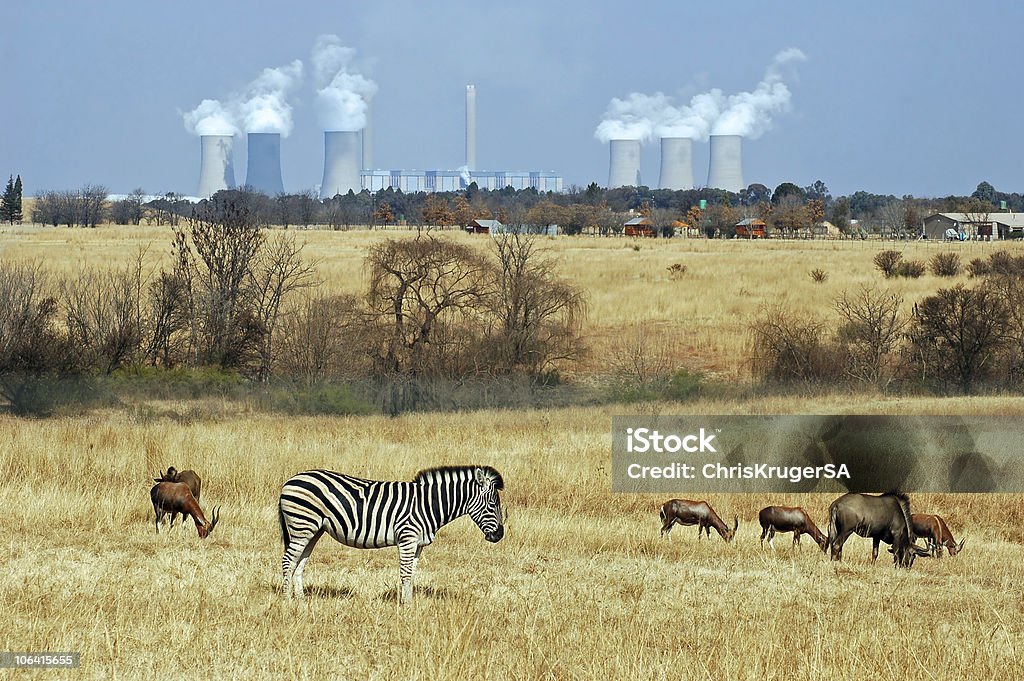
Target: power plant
column 725, row 169
column 217, row 166
column 624, row 164
column 676, row 163
column 263, row 165
column 341, row 163
column 348, row 165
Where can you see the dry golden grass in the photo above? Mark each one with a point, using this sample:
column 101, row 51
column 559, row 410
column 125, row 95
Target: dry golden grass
column 582, row 586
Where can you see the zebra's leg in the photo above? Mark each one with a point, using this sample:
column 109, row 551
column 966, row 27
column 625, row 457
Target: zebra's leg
column 408, row 552
column 294, row 559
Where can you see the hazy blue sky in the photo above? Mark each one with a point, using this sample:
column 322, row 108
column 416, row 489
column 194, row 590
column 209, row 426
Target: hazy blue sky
column 919, row 98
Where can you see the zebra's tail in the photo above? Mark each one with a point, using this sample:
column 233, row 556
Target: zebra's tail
column 284, row 525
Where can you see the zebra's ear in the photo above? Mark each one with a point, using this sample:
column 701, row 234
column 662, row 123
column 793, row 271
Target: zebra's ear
column 480, row 476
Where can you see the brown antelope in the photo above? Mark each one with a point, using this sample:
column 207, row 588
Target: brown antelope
column 789, row 519
column 189, row 477
column 883, row 518
column 933, row 529
column 699, row 513
column 176, row 497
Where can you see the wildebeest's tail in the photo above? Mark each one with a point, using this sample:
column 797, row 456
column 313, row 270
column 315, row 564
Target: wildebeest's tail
column 833, row 515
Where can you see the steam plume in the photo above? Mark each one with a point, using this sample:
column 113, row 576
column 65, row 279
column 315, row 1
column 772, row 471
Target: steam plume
column 341, row 92
column 210, row 118
column 264, row 106
column 641, row 116
column 750, row 113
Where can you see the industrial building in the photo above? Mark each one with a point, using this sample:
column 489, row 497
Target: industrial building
column 455, row 180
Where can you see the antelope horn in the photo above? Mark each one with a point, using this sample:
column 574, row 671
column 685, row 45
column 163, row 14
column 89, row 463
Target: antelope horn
column 961, row 547
column 214, row 518
column 735, row 524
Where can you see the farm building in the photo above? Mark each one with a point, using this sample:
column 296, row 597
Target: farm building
column 638, row 226
column 751, row 228
column 495, row 227
column 974, row 225
column 484, row 227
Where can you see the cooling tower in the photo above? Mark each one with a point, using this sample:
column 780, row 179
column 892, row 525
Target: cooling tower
column 471, row 127
column 676, row 163
column 263, row 167
column 624, row 165
column 368, row 136
column 725, row 170
column 341, row 164
column 217, row 169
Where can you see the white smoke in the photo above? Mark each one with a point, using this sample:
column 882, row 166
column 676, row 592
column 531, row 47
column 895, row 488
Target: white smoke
column 210, row 118
column 641, row 117
column 264, row 105
column 341, row 91
column 261, row 107
column 750, row 113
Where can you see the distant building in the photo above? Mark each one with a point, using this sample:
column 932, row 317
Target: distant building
column 410, row 181
column 639, row 226
column 751, row 228
column 974, row 225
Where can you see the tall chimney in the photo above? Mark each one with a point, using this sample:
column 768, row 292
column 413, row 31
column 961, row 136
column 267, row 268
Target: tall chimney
column 471, row 127
column 676, row 163
column 624, row 164
column 725, row 170
column 341, row 163
column 368, row 134
column 217, row 166
column 263, row 167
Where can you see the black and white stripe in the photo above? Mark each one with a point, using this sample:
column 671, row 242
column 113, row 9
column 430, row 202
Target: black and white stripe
column 371, row 514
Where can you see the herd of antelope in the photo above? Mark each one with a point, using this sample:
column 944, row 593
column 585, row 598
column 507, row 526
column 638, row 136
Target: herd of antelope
column 883, row 518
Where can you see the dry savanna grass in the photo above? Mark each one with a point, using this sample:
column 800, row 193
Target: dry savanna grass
column 582, row 586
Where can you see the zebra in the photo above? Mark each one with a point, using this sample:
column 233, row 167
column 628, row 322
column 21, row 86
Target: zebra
column 371, row 514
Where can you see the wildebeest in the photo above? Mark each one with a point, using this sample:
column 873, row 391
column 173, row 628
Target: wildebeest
column 789, row 519
column 883, row 518
column 699, row 513
column 176, row 497
column 933, row 529
column 189, row 477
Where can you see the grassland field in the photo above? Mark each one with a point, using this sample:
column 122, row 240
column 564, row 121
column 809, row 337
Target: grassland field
column 581, row 587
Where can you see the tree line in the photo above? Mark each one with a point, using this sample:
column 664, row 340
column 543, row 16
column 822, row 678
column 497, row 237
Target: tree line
column 789, row 209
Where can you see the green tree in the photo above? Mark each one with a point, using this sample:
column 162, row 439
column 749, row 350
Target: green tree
column 786, row 190
column 985, row 192
column 7, row 203
column 16, row 214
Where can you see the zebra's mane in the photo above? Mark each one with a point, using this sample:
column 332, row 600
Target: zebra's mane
column 429, row 474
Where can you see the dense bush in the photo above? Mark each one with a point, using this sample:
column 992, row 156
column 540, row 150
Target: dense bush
column 945, row 264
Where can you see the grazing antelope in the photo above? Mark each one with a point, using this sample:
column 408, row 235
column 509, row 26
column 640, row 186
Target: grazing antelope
column 789, row 519
column 189, row 477
column 176, row 497
column 371, row 514
column 933, row 529
column 699, row 513
column 883, row 518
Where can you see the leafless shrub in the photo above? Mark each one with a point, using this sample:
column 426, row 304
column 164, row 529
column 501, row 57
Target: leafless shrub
column 945, row 264
column 324, row 337
column 888, row 261
column 676, row 271
column 790, row 349
column 912, row 269
column 869, row 334
column 958, row 335
column 818, row 276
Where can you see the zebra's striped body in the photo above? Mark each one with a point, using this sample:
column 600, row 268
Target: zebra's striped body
column 372, row 514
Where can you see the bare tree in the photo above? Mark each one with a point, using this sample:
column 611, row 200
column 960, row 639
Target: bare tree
column 869, row 334
column 425, row 292
column 537, row 314
column 277, row 272
column 103, row 311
